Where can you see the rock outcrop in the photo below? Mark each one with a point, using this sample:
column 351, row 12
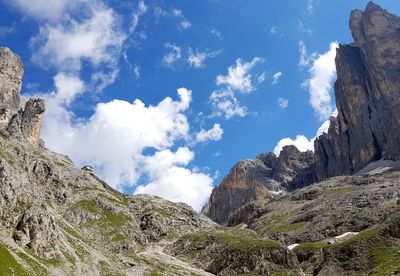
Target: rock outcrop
column 366, row 129
column 260, row 179
column 22, row 120
column 367, row 92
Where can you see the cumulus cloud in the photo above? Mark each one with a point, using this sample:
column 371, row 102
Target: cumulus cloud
column 223, row 100
column 301, row 142
column 196, row 59
column 276, row 77
column 180, row 185
column 225, row 104
column 283, row 103
column 116, row 136
column 173, row 55
column 213, row 134
column 322, row 74
column 96, row 39
column 239, row 77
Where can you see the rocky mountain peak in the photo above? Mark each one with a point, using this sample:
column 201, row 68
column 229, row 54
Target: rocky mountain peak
column 18, row 118
column 262, row 178
column 367, row 97
column 366, row 129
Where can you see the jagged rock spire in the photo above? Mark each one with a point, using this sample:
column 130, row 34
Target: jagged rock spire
column 20, row 119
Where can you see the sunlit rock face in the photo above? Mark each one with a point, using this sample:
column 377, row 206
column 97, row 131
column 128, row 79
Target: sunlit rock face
column 260, row 179
column 21, row 119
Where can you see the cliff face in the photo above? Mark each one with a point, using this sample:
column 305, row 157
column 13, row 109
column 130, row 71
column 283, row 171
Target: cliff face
column 261, row 178
column 20, row 119
column 367, row 92
column 366, row 129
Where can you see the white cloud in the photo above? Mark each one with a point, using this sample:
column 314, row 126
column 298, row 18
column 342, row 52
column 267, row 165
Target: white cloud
column 141, row 10
column 44, row 9
column 172, row 56
column 322, row 75
column 180, row 185
column 261, row 78
column 68, row 88
column 310, row 6
column 304, row 58
column 225, row 104
column 283, row 103
column 197, row 59
column 213, row 134
column 116, row 136
column 276, row 77
column 300, row 142
column 274, row 30
column 96, row 39
column 185, row 24
column 215, row 32
column 136, row 71
column 304, row 28
column 5, row 30
column 239, row 77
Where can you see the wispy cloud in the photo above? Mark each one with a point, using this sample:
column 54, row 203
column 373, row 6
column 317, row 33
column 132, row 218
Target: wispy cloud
column 173, row 55
column 283, row 103
column 196, row 59
column 276, row 77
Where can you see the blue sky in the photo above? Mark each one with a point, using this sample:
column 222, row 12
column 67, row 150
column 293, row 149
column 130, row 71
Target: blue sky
column 249, row 74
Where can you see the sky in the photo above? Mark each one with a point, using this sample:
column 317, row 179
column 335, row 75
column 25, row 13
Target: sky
column 164, row 97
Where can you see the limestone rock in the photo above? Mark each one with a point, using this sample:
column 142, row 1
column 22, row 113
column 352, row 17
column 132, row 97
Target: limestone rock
column 367, row 97
column 11, row 72
column 260, row 179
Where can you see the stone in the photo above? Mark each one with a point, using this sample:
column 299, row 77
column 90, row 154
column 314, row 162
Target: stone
column 367, row 127
column 260, row 179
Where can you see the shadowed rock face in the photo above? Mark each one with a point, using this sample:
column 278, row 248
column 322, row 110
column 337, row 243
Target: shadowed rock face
column 367, row 92
column 22, row 120
column 260, row 179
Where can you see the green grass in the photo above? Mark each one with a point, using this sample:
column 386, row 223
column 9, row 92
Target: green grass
column 111, row 223
column 7, row 156
column 9, row 265
column 340, row 190
column 310, row 247
column 237, row 239
column 284, row 228
column 37, row 268
column 362, row 236
column 384, row 259
column 118, row 237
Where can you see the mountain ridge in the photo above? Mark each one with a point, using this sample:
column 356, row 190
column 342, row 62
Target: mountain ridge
column 366, row 127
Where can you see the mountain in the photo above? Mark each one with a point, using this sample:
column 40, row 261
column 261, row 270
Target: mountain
column 260, row 179
column 57, row 219
column 365, row 130
column 286, row 215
